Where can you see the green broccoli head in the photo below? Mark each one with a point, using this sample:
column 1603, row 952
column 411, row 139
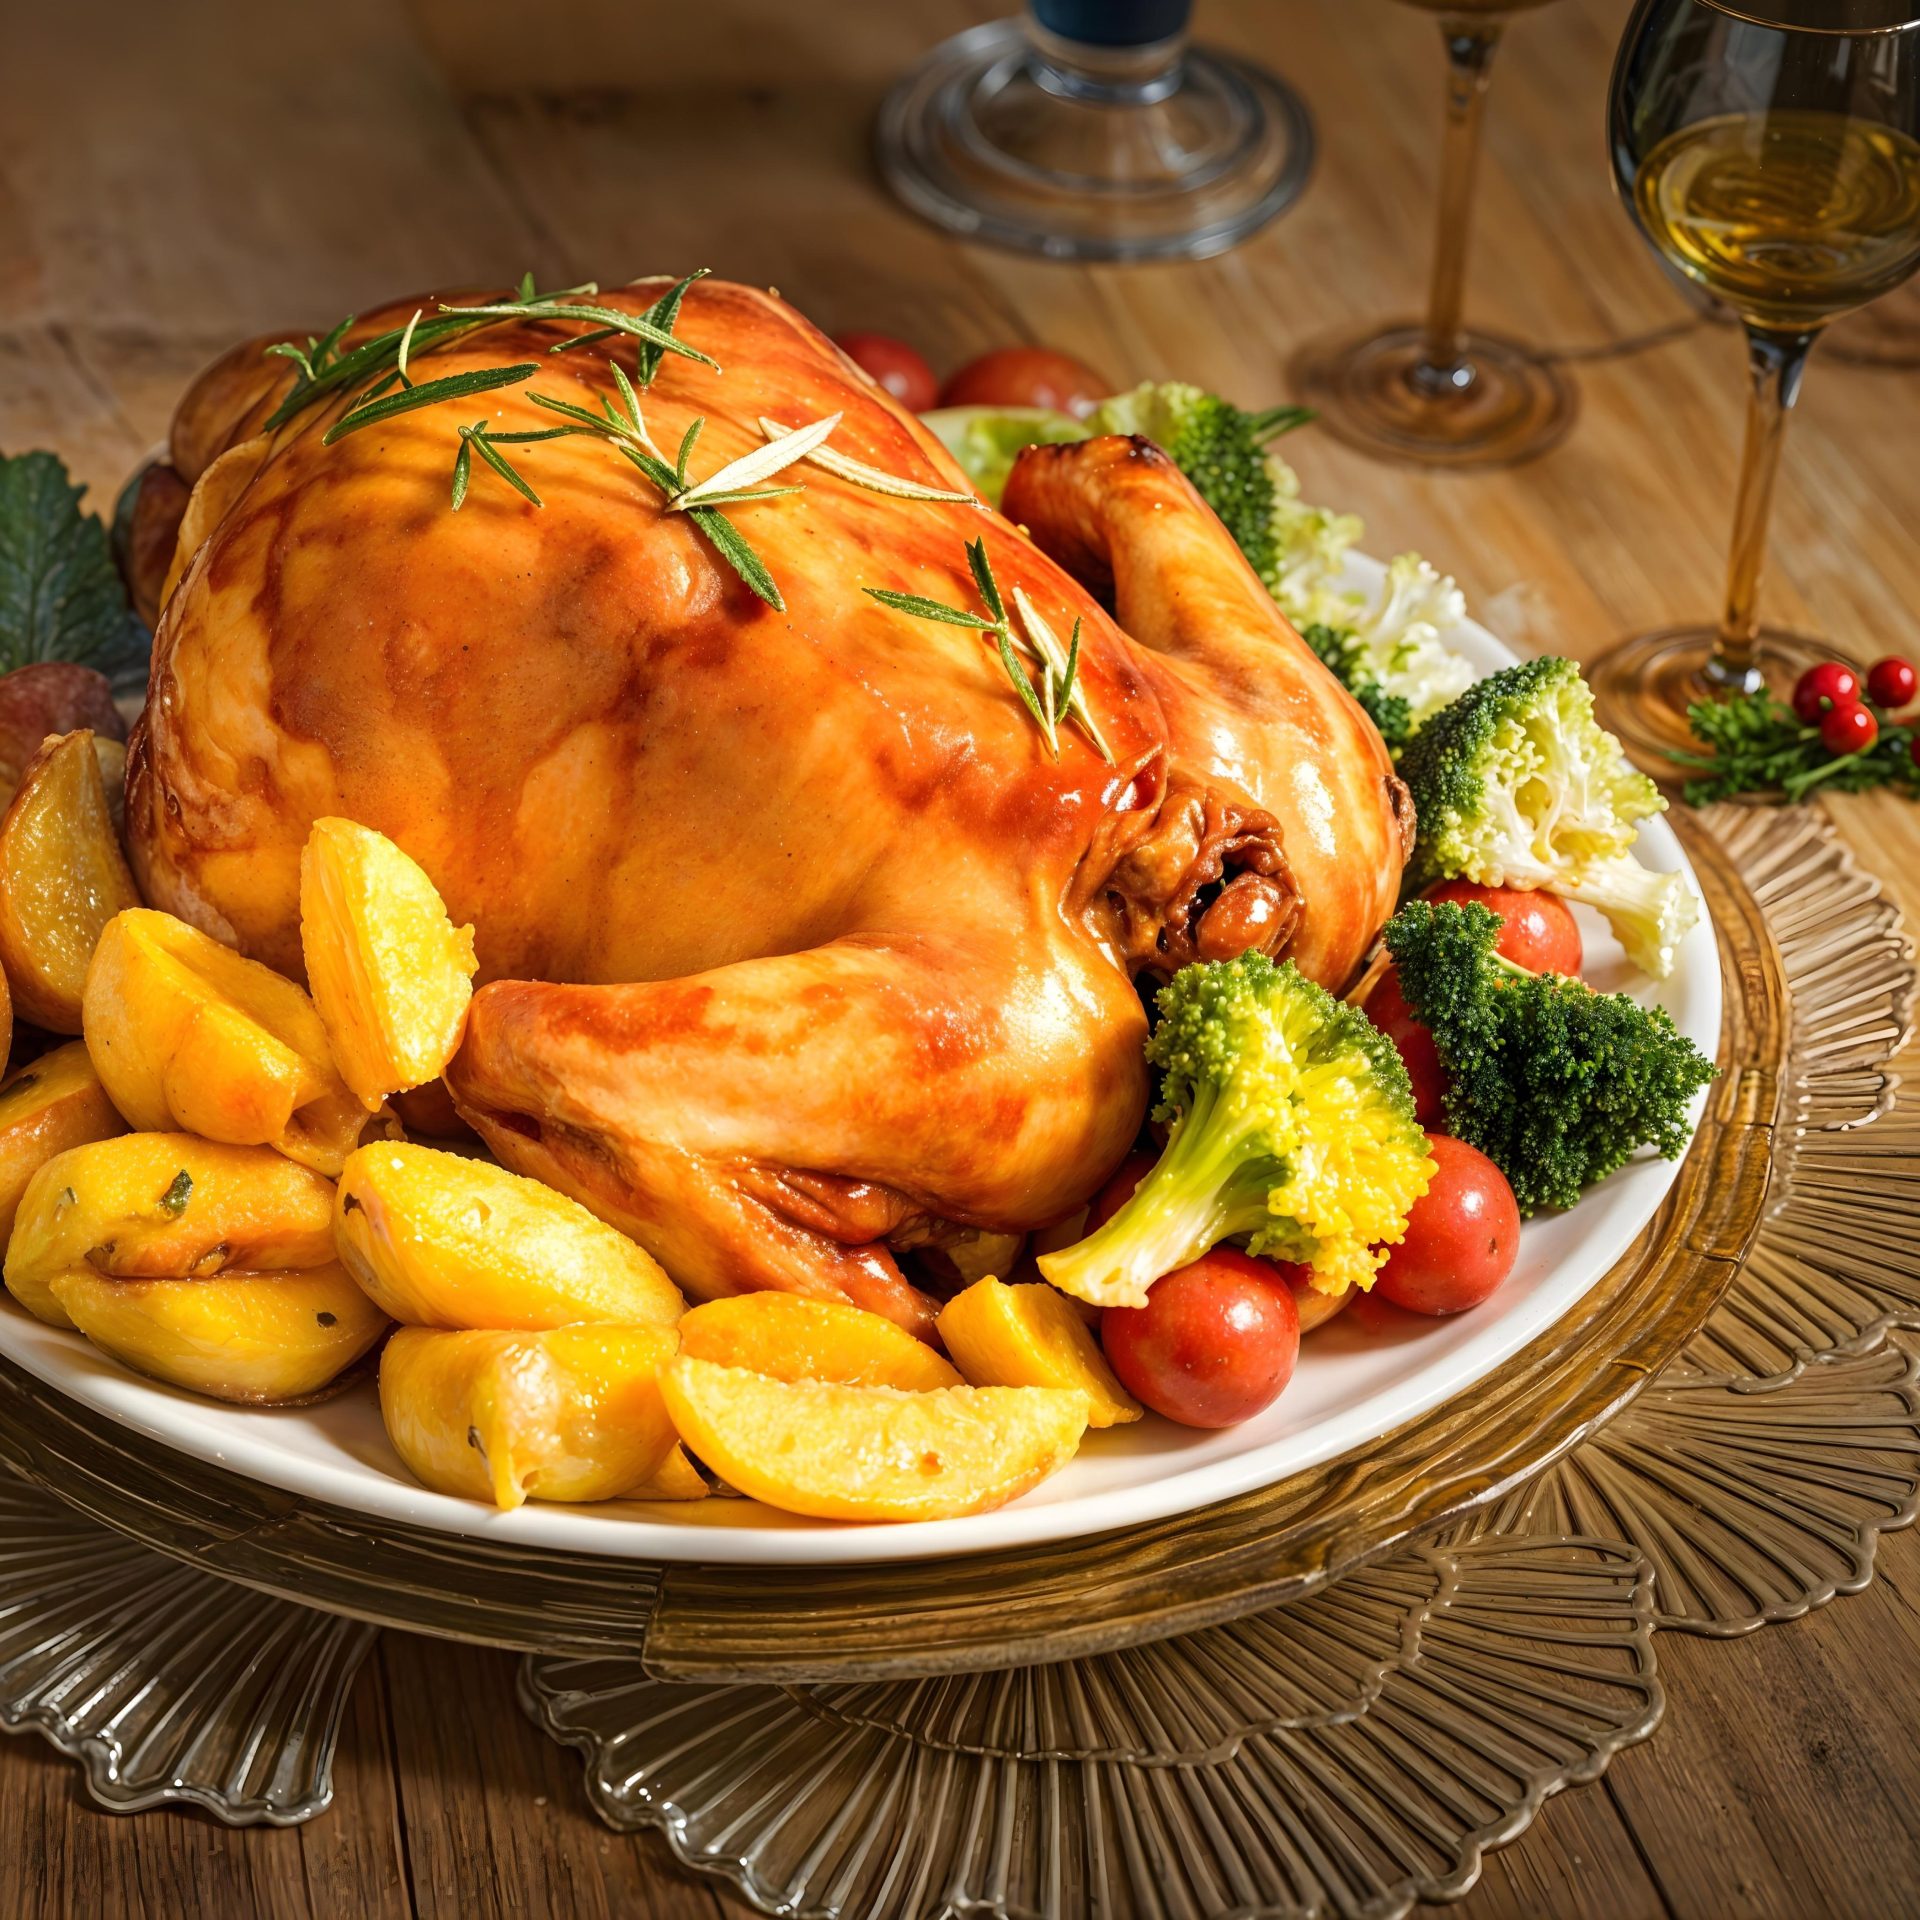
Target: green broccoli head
column 1291, row 1127
column 1516, row 784
column 1556, row 1084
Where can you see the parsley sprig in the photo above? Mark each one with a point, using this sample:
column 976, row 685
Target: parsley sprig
column 1058, row 692
column 1758, row 746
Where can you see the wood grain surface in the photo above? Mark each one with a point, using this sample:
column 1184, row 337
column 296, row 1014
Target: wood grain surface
column 174, row 177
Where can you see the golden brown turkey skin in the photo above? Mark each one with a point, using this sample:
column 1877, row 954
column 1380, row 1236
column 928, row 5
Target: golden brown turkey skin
column 802, row 943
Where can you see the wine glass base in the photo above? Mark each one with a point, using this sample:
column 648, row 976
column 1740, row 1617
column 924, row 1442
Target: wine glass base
column 1498, row 404
column 981, row 140
column 1643, row 687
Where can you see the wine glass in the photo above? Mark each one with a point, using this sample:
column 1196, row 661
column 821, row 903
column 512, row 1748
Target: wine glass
column 1092, row 130
column 1434, row 393
column 1769, row 150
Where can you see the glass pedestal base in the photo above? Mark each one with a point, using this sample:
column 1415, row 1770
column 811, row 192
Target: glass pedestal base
column 1643, row 687
column 1498, row 404
column 987, row 138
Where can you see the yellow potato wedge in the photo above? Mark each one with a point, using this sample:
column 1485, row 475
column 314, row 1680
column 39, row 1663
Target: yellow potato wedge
column 1029, row 1336
column 677, row 1478
column 440, row 1240
column 791, row 1337
column 62, row 880
column 389, row 971
column 187, row 1033
column 872, row 1453
column 573, row 1413
column 51, row 1104
column 263, row 1339
column 112, row 755
column 154, row 1206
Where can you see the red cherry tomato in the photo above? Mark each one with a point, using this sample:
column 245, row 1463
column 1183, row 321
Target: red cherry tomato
column 1214, row 1344
column 1823, row 686
column 1388, row 1010
column 1025, row 377
column 1892, row 683
column 1848, row 727
column 895, row 365
column 1540, row 933
column 1462, row 1238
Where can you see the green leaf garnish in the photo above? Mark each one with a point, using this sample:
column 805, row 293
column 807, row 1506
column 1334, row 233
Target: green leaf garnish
column 174, row 1200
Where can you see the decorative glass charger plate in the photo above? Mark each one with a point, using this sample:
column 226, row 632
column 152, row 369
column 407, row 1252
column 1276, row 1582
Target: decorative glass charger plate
column 1356, row 1381
column 1383, row 1435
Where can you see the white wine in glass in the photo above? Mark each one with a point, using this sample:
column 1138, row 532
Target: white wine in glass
column 1769, row 150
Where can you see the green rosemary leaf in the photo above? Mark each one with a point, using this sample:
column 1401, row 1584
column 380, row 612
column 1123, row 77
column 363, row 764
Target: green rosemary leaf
column 406, row 342
column 628, row 398
column 328, row 350
column 924, row 609
column 740, row 496
column 686, row 448
column 1065, row 703
column 592, row 339
column 1024, row 687
column 429, row 393
column 589, row 422
column 528, row 435
column 552, row 309
column 476, row 438
column 664, row 313
column 656, row 469
column 462, row 473
column 983, row 579
column 294, row 351
column 527, row 290
column 174, row 1201
column 874, row 479
column 730, row 544
column 760, row 463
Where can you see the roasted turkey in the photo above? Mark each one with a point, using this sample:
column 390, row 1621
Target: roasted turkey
column 799, row 946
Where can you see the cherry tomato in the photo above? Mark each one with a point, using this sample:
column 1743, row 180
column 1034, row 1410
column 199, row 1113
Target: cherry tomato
column 1892, row 683
column 1119, row 1190
column 1388, row 1010
column 1025, row 377
column 1214, row 1344
column 1462, row 1238
column 1540, row 932
column 895, row 365
column 1848, row 727
column 1823, row 686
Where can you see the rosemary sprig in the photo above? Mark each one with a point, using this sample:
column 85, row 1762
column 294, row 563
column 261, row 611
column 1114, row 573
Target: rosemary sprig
column 739, row 479
column 664, row 313
column 1058, row 693
column 874, row 479
column 611, row 319
column 427, row 393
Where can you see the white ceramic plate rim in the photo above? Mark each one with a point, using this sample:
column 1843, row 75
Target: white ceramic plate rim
column 336, row 1452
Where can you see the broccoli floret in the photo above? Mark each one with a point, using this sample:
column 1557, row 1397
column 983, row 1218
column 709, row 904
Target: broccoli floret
column 1515, row 784
column 1340, row 654
column 1556, row 1084
column 1292, row 1127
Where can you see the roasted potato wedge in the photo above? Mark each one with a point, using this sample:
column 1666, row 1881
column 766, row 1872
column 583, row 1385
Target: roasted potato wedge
column 62, row 879
column 51, row 1104
column 389, row 971
column 572, row 1413
column 792, row 1337
column 155, row 1206
column 440, row 1240
column 187, row 1033
column 872, row 1453
column 1028, row 1336
column 112, row 756
column 51, row 696
column 259, row 1338
column 677, row 1478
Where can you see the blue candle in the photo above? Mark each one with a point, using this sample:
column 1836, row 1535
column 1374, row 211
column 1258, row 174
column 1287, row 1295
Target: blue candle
column 1114, row 23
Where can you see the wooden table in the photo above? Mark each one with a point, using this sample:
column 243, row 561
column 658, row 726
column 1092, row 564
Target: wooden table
column 174, row 177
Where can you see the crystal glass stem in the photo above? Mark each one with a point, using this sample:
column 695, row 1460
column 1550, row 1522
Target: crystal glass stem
column 1775, row 363
column 1470, row 45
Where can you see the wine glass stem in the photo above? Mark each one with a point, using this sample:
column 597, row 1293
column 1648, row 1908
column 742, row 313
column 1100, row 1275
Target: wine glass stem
column 1470, row 48
column 1775, row 362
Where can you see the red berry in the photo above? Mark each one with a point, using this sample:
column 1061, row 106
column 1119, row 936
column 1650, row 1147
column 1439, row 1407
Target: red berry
column 1462, row 1237
column 1848, row 727
column 1892, row 683
column 1824, row 686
